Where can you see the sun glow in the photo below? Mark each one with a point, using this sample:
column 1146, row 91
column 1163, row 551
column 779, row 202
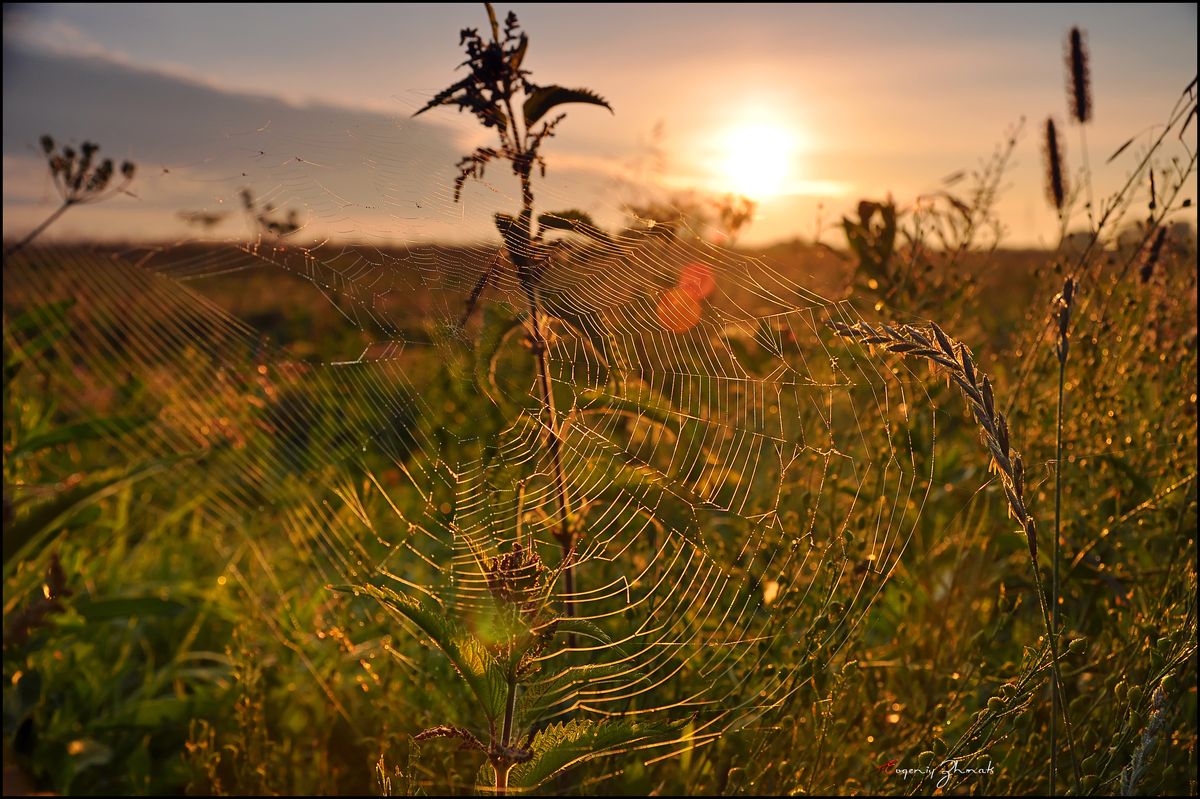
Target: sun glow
column 758, row 160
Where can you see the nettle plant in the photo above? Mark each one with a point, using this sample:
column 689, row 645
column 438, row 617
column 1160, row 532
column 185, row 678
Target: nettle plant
column 503, row 653
column 492, row 91
column 511, row 650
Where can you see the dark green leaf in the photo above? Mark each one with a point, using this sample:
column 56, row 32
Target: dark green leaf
column 80, row 431
column 560, row 746
column 544, row 98
column 22, row 537
column 574, row 221
column 126, row 607
column 470, row 657
column 496, row 328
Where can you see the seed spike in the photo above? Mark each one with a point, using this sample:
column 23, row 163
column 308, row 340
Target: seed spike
column 1056, row 181
column 1079, row 78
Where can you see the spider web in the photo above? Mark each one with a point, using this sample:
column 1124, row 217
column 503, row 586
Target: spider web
column 743, row 484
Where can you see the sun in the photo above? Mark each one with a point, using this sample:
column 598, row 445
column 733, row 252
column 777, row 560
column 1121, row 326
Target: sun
column 758, row 160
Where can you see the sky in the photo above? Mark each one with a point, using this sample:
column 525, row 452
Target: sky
column 805, row 108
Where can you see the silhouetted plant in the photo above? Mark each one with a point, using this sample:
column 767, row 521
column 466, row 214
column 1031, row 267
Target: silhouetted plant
column 1079, row 100
column 265, row 220
column 79, row 179
column 496, row 83
column 204, row 219
column 684, row 215
column 1056, row 181
column 1079, row 86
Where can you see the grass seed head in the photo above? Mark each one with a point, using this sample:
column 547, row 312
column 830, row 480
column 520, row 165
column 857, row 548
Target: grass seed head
column 1056, row 180
column 1079, row 89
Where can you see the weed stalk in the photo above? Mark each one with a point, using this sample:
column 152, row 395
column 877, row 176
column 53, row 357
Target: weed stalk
column 1063, row 302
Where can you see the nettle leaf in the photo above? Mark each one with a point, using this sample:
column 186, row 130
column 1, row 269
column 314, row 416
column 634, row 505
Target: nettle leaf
column 515, row 232
column 498, row 326
column 470, row 658
column 583, row 627
column 518, row 56
column 574, row 221
column 560, row 746
column 565, row 220
column 446, row 96
column 557, row 689
column 543, row 98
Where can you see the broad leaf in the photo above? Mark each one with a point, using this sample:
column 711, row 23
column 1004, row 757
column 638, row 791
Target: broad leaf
column 445, row 97
column 552, row 692
column 565, row 220
column 574, row 221
column 497, row 326
column 543, row 98
column 466, row 653
column 560, row 746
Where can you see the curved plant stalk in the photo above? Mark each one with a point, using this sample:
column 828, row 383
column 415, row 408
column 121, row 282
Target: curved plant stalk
column 955, row 360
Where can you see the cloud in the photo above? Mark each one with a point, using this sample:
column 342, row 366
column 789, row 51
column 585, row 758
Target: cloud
column 197, row 145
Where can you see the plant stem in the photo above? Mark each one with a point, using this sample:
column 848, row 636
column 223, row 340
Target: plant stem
column 501, row 770
column 510, row 709
column 1054, row 584
column 566, row 535
column 501, row 764
column 1063, row 345
column 1055, row 674
column 37, row 230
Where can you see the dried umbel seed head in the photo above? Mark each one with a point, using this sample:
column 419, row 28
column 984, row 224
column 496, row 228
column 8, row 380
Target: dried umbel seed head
column 1079, row 89
column 1056, row 180
column 78, row 176
column 100, row 178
